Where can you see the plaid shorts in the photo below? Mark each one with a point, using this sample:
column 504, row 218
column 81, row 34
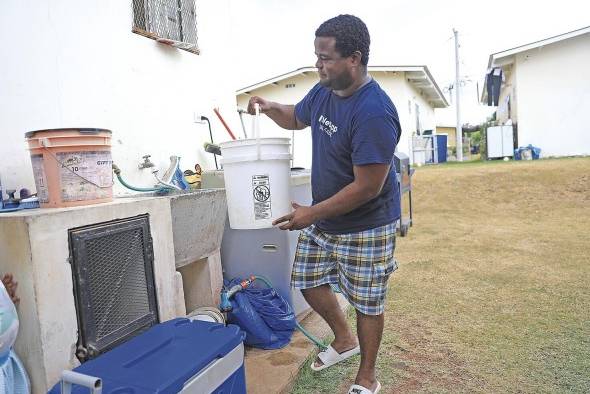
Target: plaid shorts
column 359, row 263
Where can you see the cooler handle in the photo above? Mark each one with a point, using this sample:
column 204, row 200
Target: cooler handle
column 69, row 378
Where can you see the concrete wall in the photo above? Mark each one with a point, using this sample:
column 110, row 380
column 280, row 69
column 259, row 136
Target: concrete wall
column 34, row 247
column 76, row 63
column 554, row 97
column 403, row 95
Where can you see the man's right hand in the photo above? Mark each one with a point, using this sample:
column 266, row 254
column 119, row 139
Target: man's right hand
column 283, row 115
column 265, row 105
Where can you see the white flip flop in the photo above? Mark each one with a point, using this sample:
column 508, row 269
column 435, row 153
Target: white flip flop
column 358, row 389
column 330, row 357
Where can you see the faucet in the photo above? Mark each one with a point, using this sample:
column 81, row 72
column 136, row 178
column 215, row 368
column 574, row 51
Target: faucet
column 146, row 162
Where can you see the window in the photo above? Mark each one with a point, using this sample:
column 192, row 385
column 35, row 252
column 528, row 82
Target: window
column 172, row 22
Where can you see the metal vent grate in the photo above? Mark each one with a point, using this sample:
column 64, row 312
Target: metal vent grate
column 113, row 283
column 173, row 21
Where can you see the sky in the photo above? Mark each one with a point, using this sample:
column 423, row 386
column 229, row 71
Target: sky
column 272, row 37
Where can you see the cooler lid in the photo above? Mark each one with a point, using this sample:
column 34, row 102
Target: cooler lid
column 83, row 130
column 164, row 357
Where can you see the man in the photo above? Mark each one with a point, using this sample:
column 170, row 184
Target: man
column 348, row 235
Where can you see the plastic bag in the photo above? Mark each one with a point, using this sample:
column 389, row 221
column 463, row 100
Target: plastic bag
column 13, row 377
column 265, row 316
column 8, row 322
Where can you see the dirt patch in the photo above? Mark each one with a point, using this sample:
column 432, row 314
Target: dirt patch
column 283, row 358
column 426, row 361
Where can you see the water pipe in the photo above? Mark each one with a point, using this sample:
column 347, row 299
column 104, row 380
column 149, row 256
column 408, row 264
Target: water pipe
column 225, row 304
column 241, row 112
column 117, row 172
column 206, row 119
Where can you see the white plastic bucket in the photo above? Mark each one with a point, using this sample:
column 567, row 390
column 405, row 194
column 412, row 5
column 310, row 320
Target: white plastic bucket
column 257, row 174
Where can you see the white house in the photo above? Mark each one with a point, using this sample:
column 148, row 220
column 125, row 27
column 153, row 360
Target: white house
column 412, row 89
column 96, row 63
column 100, row 64
column 545, row 92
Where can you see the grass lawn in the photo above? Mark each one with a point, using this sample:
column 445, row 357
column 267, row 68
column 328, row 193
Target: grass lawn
column 493, row 290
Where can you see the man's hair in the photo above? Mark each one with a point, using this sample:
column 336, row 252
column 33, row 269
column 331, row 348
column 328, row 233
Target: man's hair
column 351, row 35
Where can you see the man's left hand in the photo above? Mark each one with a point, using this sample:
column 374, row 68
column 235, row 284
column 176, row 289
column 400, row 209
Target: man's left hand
column 300, row 218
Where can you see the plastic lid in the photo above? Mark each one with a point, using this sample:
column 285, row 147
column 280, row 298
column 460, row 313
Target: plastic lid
column 163, row 358
column 83, row 130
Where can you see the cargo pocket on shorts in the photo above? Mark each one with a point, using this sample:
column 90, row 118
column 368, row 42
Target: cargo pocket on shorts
column 381, row 272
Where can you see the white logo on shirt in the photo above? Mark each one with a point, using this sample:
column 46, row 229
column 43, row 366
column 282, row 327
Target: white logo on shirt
column 327, row 126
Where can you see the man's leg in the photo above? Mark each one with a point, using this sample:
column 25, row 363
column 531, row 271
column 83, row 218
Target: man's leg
column 324, row 302
column 369, row 330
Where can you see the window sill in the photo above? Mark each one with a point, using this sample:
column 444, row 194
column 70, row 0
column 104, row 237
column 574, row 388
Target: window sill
column 166, row 41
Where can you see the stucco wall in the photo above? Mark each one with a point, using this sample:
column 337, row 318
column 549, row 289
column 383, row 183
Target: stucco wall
column 554, row 97
column 77, row 64
column 394, row 84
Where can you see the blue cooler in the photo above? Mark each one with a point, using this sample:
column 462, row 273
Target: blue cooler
column 179, row 355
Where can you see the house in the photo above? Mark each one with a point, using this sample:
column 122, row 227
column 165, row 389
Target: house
column 139, row 68
column 542, row 89
column 450, row 130
column 148, row 71
column 412, row 89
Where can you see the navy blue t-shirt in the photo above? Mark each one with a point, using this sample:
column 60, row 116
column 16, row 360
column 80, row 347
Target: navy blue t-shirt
column 352, row 131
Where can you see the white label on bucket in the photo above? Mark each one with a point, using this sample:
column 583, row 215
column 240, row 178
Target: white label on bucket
column 261, row 196
column 85, row 175
column 40, row 178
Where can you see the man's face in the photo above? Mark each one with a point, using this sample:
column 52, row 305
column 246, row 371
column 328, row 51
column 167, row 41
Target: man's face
column 333, row 69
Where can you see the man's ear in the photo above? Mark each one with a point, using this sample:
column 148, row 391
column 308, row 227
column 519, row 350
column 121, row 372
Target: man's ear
column 356, row 58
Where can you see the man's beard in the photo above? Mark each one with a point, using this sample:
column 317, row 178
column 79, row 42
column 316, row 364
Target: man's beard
column 340, row 83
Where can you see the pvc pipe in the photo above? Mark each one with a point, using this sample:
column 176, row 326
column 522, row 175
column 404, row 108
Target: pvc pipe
column 233, row 137
column 70, row 377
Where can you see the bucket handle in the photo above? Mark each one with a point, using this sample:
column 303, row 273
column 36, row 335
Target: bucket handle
column 257, row 128
column 44, row 143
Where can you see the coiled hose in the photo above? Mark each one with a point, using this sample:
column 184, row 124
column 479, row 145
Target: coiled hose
column 317, row 342
column 226, row 305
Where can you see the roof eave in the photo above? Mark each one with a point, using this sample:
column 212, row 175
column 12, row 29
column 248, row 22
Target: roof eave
column 439, row 101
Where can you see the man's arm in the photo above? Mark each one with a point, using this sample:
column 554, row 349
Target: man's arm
column 367, row 184
column 283, row 115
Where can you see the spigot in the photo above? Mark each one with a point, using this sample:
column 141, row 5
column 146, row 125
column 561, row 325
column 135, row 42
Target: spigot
column 225, row 305
column 146, row 162
column 226, row 295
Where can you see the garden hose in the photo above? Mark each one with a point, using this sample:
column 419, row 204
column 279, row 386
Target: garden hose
column 226, row 306
column 159, row 190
